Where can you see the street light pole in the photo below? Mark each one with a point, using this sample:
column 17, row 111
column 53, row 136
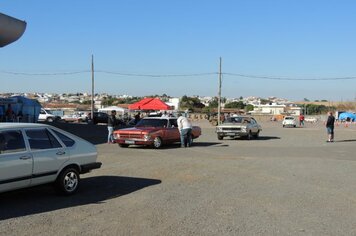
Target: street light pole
column 219, row 94
column 92, row 87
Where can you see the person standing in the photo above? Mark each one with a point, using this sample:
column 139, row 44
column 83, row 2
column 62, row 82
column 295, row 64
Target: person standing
column 185, row 130
column 330, row 127
column 111, row 124
column 301, row 120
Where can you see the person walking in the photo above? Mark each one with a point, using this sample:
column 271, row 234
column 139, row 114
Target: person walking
column 330, row 126
column 112, row 121
column 185, row 130
column 301, row 120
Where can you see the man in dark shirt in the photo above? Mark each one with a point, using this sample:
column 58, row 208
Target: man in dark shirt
column 330, row 127
column 112, row 122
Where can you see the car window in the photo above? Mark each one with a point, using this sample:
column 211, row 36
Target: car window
column 152, row 123
column 65, row 139
column 11, row 141
column 173, row 122
column 234, row 120
column 41, row 139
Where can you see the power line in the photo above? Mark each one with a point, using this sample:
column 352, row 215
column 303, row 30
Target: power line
column 281, row 78
column 287, row 78
column 45, row 74
column 155, row 75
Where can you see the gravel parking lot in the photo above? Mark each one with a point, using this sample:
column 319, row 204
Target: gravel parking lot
column 288, row 182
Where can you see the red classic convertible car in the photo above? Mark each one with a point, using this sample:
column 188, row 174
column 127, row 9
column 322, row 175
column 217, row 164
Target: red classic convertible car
column 152, row 131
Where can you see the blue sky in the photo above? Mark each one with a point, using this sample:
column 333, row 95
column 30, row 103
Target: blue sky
column 298, row 39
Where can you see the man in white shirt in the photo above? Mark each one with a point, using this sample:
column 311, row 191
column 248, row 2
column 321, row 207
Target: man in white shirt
column 185, row 130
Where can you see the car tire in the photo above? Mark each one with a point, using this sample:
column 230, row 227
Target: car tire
column 49, row 119
column 220, row 137
column 67, row 182
column 123, row 145
column 157, row 142
column 256, row 135
column 249, row 135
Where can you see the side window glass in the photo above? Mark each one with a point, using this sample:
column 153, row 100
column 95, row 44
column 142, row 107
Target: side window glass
column 11, row 141
column 173, row 123
column 65, row 139
column 42, row 139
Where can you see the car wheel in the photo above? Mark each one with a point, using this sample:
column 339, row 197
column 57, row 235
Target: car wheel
column 123, row 145
column 283, row 126
column 49, row 119
column 157, row 142
column 249, row 135
column 257, row 134
column 220, row 137
column 67, row 182
column 295, row 126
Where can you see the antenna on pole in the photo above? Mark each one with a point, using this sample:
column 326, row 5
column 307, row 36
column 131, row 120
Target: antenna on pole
column 92, row 88
column 219, row 94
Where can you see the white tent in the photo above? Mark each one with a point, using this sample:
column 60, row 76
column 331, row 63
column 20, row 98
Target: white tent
column 119, row 110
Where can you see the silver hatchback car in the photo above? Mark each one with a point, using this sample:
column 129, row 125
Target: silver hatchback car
column 34, row 154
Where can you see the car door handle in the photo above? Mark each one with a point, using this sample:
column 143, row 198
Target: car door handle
column 25, row 157
column 61, row 153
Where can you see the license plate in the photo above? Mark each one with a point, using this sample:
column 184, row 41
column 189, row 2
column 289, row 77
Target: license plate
column 129, row 142
column 230, row 134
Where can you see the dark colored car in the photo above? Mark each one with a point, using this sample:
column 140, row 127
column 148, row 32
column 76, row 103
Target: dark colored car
column 99, row 117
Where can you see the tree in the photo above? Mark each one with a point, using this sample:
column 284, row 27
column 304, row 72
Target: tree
column 238, row 105
column 249, row 107
column 191, row 103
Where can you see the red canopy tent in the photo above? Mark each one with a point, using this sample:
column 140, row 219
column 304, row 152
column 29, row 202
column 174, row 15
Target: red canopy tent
column 149, row 104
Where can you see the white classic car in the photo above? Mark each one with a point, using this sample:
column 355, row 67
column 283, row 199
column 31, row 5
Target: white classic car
column 34, row 154
column 289, row 121
column 239, row 126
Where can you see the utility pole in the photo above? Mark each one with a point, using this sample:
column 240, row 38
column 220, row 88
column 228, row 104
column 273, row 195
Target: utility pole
column 92, row 88
column 219, row 94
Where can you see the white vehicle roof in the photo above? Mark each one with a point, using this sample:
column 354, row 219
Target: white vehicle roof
column 159, row 118
column 20, row 125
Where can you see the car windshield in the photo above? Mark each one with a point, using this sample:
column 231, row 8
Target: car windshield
column 289, row 118
column 48, row 111
column 236, row 120
column 152, row 123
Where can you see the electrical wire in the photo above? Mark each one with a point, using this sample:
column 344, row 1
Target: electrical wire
column 45, row 74
column 226, row 74
column 286, row 78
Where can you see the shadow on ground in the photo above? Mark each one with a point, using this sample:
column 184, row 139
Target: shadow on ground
column 93, row 190
column 347, row 140
column 260, row 138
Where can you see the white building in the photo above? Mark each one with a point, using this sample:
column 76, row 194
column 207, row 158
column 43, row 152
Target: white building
column 269, row 109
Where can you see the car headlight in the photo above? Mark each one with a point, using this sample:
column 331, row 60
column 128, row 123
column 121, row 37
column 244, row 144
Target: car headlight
column 116, row 136
column 243, row 129
column 147, row 137
column 218, row 129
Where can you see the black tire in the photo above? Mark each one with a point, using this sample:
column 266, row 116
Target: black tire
column 256, row 135
column 249, row 135
column 157, row 142
column 123, row 145
column 67, row 182
column 220, row 137
column 49, row 119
